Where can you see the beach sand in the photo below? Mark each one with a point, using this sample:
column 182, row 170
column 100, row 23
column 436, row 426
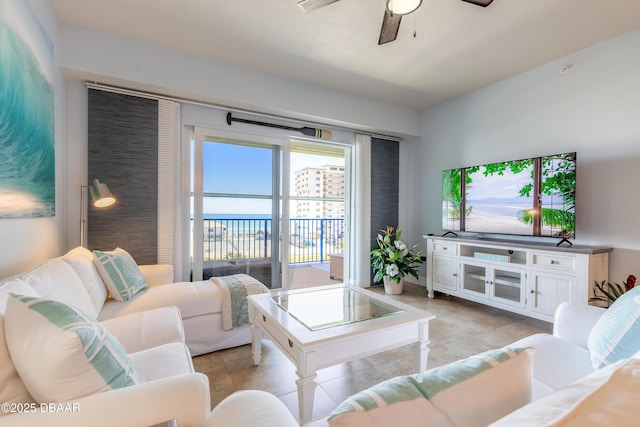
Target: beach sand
column 482, row 223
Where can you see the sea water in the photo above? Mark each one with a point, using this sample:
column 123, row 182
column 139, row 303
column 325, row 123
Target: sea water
column 27, row 142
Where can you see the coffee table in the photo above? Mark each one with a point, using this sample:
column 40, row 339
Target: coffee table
column 327, row 325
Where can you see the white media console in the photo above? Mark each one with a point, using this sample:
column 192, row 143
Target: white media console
column 526, row 278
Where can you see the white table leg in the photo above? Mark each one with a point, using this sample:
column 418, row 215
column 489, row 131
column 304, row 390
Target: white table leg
column 306, row 391
column 420, row 356
column 256, row 343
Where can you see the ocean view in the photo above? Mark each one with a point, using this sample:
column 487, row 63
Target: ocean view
column 212, row 216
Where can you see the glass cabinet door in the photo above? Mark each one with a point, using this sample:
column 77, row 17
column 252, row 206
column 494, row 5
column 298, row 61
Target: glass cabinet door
column 507, row 286
column 474, row 279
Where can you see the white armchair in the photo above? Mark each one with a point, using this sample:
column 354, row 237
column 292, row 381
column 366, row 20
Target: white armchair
column 562, row 358
column 184, row 398
column 573, row 322
column 171, row 390
column 251, row 408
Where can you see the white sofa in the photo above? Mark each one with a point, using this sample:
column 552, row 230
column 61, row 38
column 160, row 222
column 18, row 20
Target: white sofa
column 74, row 280
column 562, row 358
column 170, row 392
column 563, row 378
column 154, row 342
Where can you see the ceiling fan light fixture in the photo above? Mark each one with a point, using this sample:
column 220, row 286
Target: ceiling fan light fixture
column 483, row 3
column 403, row 7
column 309, row 5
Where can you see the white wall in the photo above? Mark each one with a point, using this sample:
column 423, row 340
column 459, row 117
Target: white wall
column 593, row 109
column 27, row 241
column 93, row 55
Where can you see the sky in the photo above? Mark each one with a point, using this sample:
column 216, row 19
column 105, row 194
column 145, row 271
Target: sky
column 497, row 186
column 246, row 170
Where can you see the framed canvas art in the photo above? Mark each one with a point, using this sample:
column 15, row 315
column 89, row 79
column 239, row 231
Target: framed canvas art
column 27, row 134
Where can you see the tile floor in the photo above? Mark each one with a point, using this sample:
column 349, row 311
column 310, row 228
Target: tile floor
column 461, row 328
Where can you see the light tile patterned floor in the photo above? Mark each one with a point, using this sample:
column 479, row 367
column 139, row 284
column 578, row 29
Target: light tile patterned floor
column 461, row 328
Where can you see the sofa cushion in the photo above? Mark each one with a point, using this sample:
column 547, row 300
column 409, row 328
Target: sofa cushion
column 56, row 280
column 491, row 385
column 120, row 273
column 14, row 286
column 615, row 335
column 552, row 371
column 146, row 329
column 608, row 396
column 60, row 353
column 193, row 299
column 81, row 260
column 162, row 361
column 12, row 389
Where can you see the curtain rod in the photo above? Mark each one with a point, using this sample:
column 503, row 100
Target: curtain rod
column 157, row 96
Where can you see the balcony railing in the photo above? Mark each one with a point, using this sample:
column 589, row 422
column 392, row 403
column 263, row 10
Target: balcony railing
column 312, row 239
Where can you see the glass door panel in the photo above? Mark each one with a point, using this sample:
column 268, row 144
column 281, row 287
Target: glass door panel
column 508, row 286
column 317, row 214
column 238, row 187
column 474, row 279
column 273, row 211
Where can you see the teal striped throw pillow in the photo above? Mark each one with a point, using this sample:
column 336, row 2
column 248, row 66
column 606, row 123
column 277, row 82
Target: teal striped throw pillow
column 120, row 273
column 616, row 335
column 62, row 354
column 473, row 391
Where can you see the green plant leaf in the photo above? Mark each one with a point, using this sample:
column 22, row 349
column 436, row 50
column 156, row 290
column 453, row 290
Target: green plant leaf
column 601, row 288
column 616, row 289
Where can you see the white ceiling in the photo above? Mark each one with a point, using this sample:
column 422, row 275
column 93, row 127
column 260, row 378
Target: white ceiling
column 459, row 47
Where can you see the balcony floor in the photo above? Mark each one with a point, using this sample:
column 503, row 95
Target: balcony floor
column 309, row 275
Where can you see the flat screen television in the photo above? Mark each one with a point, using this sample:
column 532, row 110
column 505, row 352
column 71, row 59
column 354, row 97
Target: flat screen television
column 532, row 197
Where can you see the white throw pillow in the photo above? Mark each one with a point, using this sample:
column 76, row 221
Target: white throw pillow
column 120, row 273
column 12, row 389
column 616, row 334
column 56, row 280
column 471, row 392
column 14, row 286
column 60, row 353
column 81, row 260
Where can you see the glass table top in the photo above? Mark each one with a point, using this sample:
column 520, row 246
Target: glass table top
column 326, row 308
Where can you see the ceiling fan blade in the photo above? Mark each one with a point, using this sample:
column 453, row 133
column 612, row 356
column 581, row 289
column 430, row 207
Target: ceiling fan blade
column 390, row 26
column 309, row 5
column 483, row 3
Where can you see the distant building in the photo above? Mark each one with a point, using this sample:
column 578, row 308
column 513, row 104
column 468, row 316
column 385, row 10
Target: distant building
column 326, row 183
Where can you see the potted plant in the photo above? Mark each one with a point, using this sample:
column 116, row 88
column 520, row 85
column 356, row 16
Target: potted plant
column 611, row 292
column 392, row 261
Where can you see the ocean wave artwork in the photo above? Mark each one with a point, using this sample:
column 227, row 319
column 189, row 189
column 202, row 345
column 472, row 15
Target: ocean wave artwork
column 27, row 133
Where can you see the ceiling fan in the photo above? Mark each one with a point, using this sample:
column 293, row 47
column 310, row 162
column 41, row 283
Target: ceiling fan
column 393, row 13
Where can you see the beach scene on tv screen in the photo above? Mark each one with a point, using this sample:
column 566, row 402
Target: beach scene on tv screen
column 499, row 197
column 494, row 203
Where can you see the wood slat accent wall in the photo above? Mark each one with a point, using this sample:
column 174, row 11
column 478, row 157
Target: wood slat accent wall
column 123, row 153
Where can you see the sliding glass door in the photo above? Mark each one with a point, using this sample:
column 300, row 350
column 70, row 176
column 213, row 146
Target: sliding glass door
column 273, row 209
column 317, row 194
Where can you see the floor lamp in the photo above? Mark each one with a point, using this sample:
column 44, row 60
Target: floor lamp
column 101, row 197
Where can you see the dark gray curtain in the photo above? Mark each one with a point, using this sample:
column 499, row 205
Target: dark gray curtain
column 123, row 153
column 385, row 156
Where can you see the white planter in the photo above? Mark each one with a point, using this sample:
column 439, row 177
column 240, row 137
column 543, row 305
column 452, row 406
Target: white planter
column 391, row 287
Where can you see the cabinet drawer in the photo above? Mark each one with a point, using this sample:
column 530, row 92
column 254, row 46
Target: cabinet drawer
column 445, row 248
column 555, row 262
column 280, row 337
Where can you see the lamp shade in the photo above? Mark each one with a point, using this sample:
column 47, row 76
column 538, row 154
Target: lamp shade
column 403, row 7
column 100, row 194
